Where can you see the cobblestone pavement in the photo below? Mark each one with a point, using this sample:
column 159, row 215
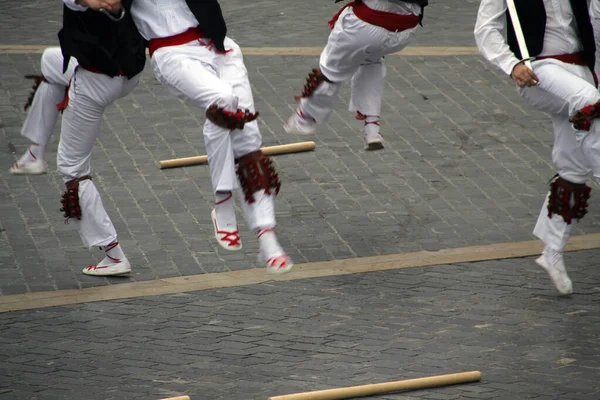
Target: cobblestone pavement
column 465, row 162
column 500, row 317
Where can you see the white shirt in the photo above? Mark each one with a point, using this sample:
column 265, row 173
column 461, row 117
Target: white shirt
column 561, row 35
column 161, row 18
column 74, row 6
column 396, row 7
column 595, row 18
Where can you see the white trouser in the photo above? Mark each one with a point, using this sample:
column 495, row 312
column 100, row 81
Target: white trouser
column 197, row 73
column 564, row 89
column 43, row 114
column 89, row 95
column 355, row 49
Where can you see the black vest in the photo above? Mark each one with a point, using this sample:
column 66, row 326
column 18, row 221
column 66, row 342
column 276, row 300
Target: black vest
column 101, row 44
column 210, row 18
column 532, row 15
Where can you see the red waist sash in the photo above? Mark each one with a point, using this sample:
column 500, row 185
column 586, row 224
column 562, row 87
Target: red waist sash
column 387, row 20
column 176, row 40
column 575, row 58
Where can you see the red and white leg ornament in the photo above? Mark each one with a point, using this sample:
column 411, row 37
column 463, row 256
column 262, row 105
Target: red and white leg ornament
column 256, row 172
column 582, row 120
column 314, row 79
column 70, row 199
column 228, row 119
column 568, row 199
column 259, row 182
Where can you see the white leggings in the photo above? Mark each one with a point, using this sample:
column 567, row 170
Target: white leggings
column 195, row 72
column 43, row 115
column 90, row 94
column 564, row 89
column 355, row 49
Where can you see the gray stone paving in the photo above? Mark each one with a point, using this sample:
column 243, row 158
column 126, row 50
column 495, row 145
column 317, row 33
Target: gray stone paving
column 465, row 164
column 500, row 317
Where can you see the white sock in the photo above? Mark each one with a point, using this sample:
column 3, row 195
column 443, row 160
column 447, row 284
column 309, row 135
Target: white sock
column 372, row 124
column 35, row 152
column 114, row 253
column 268, row 243
column 226, row 219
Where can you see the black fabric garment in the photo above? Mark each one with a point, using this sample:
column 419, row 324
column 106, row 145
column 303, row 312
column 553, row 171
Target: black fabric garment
column 99, row 43
column 532, row 15
column 422, row 3
column 210, row 17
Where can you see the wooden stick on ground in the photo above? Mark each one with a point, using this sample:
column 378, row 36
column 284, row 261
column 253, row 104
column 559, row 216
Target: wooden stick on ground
column 380, row 388
column 178, row 398
column 269, row 151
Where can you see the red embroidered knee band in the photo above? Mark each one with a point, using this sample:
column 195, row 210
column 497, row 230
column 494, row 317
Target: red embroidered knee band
column 228, row 119
column 561, row 192
column 256, row 172
column 37, row 81
column 70, row 199
column 582, row 120
column 314, row 79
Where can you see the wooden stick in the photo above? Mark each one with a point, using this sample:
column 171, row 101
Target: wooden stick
column 269, row 151
column 379, row 388
column 178, row 398
column 516, row 23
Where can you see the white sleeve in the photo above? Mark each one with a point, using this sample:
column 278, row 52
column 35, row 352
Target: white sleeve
column 74, row 6
column 489, row 35
column 595, row 18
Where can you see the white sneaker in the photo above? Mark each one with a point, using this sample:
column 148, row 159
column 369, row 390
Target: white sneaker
column 552, row 261
column 36, row 167
column 299, row 124
column 108, row 269
column 373, row 141
column 229, row 240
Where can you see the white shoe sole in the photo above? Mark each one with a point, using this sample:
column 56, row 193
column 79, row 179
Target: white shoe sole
column 541, row 261
column 123, row 269
column 222, row 243
column 25, row 171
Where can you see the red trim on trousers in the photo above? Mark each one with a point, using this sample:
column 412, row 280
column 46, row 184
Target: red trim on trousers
column 390, row 21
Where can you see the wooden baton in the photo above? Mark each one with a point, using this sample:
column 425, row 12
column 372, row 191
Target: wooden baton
column 516, row 23
column 269, row 151
column 388, row 387
column 178, row 398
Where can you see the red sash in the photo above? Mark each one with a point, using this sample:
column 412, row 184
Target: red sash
column 176, row 40
column 390, row 21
